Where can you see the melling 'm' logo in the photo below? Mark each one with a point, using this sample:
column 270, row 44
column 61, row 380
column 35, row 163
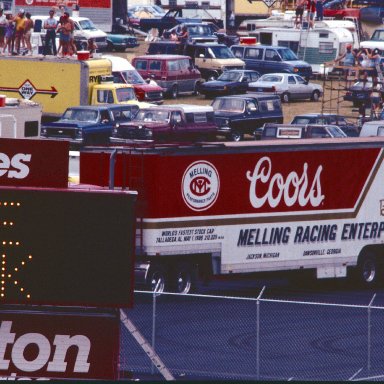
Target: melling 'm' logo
column 200, row 185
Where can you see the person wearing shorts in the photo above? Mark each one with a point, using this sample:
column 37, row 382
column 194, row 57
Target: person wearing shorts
column 299, row 12
column 3, row 26
column 311, row 11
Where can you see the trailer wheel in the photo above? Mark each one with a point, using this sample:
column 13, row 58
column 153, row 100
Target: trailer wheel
column 156, row 278
column 183, row 278
column 368, row 271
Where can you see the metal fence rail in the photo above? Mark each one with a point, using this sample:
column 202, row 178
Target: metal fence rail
column 216, row 337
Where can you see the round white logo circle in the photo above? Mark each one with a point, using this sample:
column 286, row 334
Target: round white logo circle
column 200, row 185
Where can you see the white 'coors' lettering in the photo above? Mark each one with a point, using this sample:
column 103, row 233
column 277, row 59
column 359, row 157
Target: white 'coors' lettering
column 57, row 363
column 293, row 189
column 14, row 167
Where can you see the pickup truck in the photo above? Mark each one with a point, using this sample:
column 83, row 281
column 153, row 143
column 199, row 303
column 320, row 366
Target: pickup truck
column 173, row 17
column 88, row 125
column 300, row 131
column 168, row 123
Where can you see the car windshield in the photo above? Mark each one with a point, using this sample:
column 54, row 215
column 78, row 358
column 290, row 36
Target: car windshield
column 87, row 24
column 200, row 30
column 130, row 77
column 378, row 36
column 125, row 94
column 152, row 115
column 287, row 55
column 335, row 131
column 81, row 115
column 271, row 78
column 230, row 76
column 301, row 120
column 221, row 53
column 229, row 105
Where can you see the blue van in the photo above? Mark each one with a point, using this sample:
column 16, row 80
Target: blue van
column 271, row 59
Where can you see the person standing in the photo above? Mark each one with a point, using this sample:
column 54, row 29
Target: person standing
column 3, row 26
column 9, row 35
column 299, row 13
column 71, row 26
column 319, row 10
column 28, row 26
column 50, row 26
column 19, row 34
column 311, row 10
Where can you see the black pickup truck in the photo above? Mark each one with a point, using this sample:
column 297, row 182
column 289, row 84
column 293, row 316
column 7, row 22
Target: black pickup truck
column 173, row 17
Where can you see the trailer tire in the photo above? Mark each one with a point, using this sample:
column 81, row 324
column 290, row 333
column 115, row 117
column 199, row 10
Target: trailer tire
column 369, row 271
column 157, row 276
column 183, row 278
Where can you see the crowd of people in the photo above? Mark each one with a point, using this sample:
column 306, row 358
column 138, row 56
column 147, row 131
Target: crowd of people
column 16, row 31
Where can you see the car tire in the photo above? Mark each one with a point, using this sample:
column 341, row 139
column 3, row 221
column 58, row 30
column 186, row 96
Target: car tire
column 315, row 96
column 236, row 136
column 196, row 89
column 285, row 98
column 109, row 46
column 174, row 92
column 83, row 46
column 212, row 77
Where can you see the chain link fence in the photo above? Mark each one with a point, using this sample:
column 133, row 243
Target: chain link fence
column 211, row 337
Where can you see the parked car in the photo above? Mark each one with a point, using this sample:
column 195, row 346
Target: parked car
column 271, row 59
column 349, row 128
column 287, row 86
column 300, row 131
column 176, row 74
column 88, row 125
column 168, row 123
column 119, row 42
column 359, row 93
column 238, row 115
column 376, row 40
column 229, row 82
column 212, row 59
column 372, row 128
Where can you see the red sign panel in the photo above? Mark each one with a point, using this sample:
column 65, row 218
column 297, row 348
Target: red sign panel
column 59, row 345
column 67, row 3
column 33, row 163
column 228, row 183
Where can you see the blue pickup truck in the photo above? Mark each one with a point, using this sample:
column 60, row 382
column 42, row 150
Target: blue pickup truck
column 88, row 125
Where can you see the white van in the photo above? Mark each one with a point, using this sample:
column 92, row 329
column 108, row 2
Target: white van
column 372, row 128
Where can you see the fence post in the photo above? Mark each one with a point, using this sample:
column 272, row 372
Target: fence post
column 154, row 322
column 258, row 333
column 369, row 335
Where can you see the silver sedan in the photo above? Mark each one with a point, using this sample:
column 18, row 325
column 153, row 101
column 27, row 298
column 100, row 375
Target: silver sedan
column 288, row 86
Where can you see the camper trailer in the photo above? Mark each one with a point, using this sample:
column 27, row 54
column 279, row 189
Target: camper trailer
column 315, row 46
column 19, row 119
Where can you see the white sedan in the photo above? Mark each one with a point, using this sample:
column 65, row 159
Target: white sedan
column 288, row 86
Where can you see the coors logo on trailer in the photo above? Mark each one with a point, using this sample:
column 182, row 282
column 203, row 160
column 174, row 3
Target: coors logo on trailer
column 57, row 345
column 200, row 185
